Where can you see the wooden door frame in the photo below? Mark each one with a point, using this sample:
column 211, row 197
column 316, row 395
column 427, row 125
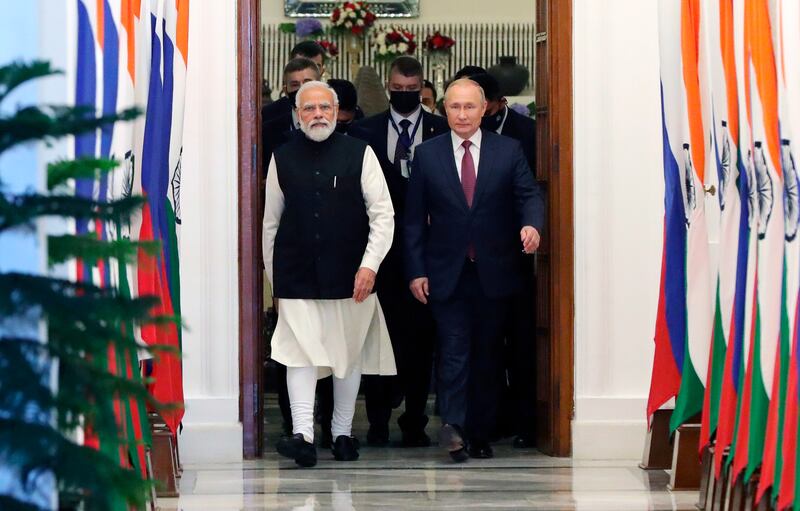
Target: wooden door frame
column 562, row 225
column 251, row 299
column 561, row 215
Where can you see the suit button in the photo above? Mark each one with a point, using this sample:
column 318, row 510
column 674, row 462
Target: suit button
column 316, row 173
column 316, row 215
column 316, row 236
column 317, row 193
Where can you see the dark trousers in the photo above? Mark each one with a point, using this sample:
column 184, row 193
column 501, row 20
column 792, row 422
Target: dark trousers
column 470, row 329
column 413, row 335
column 518, row 404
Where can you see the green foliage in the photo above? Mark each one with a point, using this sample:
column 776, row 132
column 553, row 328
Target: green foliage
column 89, row 342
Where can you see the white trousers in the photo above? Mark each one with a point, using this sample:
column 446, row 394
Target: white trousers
column 302, row 384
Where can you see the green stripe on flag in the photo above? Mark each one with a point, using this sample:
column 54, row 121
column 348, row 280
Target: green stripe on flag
column 174, row 267
column 759, row 406
column 717, row 368
column 690, row 396
column 785, row 355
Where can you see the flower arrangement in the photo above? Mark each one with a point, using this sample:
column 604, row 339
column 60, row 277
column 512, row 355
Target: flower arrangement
column 438, row 43
column 331, row 49
column 391, row 42
column 304, row 29
column 353, row 18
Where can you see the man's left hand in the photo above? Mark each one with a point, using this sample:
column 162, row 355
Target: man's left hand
column 365, row 280
column 530, row 239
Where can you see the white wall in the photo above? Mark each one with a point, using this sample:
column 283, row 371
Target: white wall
column 618, row 222
column 209, row 238
column 440, row 11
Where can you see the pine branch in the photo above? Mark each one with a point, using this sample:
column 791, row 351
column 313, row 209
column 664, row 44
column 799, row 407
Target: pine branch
column 82, row 472
column 90, row 250
column 17, row 73
column 61, row 171
column 50, row 123
column 22, row 210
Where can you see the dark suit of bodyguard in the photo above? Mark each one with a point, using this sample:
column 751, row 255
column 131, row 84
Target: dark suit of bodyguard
column 410, row 323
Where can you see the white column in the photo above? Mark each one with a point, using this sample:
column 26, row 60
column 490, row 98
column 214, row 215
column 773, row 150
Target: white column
column 209, row 237
column 618, row 222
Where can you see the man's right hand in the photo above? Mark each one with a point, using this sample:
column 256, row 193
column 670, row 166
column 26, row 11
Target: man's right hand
column 419, row 288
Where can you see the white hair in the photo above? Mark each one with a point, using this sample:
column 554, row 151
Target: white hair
column 313, row 85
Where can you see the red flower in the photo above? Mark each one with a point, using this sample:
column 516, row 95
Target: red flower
column 357, row 30
column 335, row 15
column 369, row 19
column 437, row 41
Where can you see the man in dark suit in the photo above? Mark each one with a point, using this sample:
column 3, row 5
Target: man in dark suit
column 394, row 136
column 275, row 131
column 283, row 106
column 517, row 408
column 472, row 207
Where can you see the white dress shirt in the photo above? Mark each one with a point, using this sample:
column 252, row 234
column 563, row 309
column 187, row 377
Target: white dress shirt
column 474, row 149
column 393, row 136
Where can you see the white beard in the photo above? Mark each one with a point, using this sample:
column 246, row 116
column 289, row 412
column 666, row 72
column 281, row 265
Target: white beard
column 318, row 133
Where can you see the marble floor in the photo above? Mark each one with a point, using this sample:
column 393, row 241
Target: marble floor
column 409, row 479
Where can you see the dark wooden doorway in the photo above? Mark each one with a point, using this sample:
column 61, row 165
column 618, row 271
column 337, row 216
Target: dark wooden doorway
column 555, row 262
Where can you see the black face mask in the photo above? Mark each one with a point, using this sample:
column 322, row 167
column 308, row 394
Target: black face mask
column 342, row 127
column 492, row 122
column 292, row 96
column 404, row 102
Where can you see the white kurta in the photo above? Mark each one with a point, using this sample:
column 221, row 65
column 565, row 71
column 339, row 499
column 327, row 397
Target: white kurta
column 335, row 336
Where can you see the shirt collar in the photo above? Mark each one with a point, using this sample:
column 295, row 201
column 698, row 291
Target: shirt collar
column 413, row 116
column 295, row 120
column 475, row 139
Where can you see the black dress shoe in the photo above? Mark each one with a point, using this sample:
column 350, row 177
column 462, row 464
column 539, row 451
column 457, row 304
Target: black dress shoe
column 295, row 447
column 451, row 439
column 344, row 449
column 480, row 450
column 459, row 456
column 377, row 437
column 524, row 442
column 415, row 439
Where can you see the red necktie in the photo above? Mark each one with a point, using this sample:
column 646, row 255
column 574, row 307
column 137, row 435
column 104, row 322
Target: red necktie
column 468, row 184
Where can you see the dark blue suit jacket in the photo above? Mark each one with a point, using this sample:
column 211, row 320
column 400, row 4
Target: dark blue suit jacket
column 506, row 199
column 375, row 131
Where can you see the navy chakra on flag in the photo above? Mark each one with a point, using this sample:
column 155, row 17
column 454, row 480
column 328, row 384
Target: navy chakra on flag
column 791, row 200
column 176, row 188
column 724, row 168
column 765, row 191
column 690, row 194
column 127, row 174
column 752, row 193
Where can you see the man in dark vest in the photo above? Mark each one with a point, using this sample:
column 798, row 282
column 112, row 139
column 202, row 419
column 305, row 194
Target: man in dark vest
column 394, row 136
column 328, row 224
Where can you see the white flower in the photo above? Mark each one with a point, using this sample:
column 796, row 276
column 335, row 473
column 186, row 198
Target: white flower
column 362, row 12
column 360, row 23
column 402, row 47
column 348, row 24
column 393, row 48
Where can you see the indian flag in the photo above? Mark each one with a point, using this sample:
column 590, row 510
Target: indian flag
column 680, row 56
column 725, row 161
column 761, row 85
